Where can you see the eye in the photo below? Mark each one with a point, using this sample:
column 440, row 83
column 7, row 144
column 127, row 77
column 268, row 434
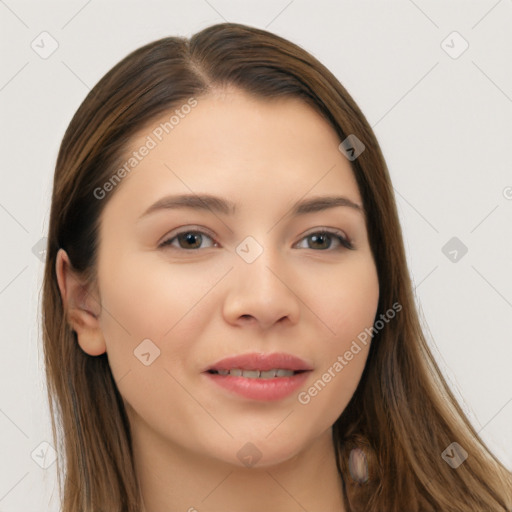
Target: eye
column 188, row 239
column 191, row 240
column 320, row 237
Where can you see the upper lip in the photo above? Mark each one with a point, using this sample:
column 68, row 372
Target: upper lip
column 261, row 361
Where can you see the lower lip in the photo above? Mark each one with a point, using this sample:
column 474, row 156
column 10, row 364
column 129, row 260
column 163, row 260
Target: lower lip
column 260, row 389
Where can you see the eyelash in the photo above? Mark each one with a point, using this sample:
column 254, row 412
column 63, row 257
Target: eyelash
column 345, row 244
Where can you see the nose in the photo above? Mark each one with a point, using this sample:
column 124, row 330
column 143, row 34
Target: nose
column 262, row 292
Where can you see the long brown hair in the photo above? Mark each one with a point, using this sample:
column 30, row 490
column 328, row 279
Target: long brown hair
column 402, row 415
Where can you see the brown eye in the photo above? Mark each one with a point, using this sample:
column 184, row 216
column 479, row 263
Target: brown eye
column 186, row 240
column 322, row 240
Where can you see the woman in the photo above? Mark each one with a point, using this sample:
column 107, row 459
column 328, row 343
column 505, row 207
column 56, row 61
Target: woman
column 229, row 321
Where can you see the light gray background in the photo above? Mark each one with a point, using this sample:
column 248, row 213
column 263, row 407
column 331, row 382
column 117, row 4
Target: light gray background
column 444, row 124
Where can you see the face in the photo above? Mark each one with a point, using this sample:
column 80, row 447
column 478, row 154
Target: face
column 183, row 287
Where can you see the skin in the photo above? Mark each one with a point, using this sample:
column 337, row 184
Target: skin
column 200, row 305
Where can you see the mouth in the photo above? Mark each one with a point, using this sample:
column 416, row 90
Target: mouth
column 258, row 374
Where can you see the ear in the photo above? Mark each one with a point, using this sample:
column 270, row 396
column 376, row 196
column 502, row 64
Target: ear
column 81, row 305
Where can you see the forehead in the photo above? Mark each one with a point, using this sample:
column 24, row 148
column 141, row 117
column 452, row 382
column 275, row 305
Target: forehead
column 236, row 119
column 233, row 144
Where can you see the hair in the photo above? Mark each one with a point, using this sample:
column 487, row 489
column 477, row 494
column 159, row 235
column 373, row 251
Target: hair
column 402, row 415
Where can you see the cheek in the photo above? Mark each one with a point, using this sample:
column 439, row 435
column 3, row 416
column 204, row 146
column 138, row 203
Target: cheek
column 349, row 310
column 329, row 393
column 149, row 298
column 148, row 328
column 157, row 302
column 346, row 301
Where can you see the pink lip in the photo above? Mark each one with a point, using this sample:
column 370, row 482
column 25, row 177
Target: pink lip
column 260, row 361
column 260, row 389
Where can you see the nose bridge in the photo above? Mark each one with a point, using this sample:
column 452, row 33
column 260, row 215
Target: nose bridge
column 262, row 289
column 258, row 262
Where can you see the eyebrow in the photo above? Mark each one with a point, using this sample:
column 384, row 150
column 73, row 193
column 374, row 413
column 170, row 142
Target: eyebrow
column 227, row 207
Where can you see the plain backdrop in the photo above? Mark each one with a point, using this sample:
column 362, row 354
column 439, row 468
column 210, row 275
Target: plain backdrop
column 434, row 80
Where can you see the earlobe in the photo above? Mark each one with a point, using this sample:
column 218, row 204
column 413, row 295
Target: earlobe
column 82, row 308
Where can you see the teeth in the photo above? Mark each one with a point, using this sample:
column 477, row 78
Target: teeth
column 251, row 374
column 284, row 373
column 257, row 374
